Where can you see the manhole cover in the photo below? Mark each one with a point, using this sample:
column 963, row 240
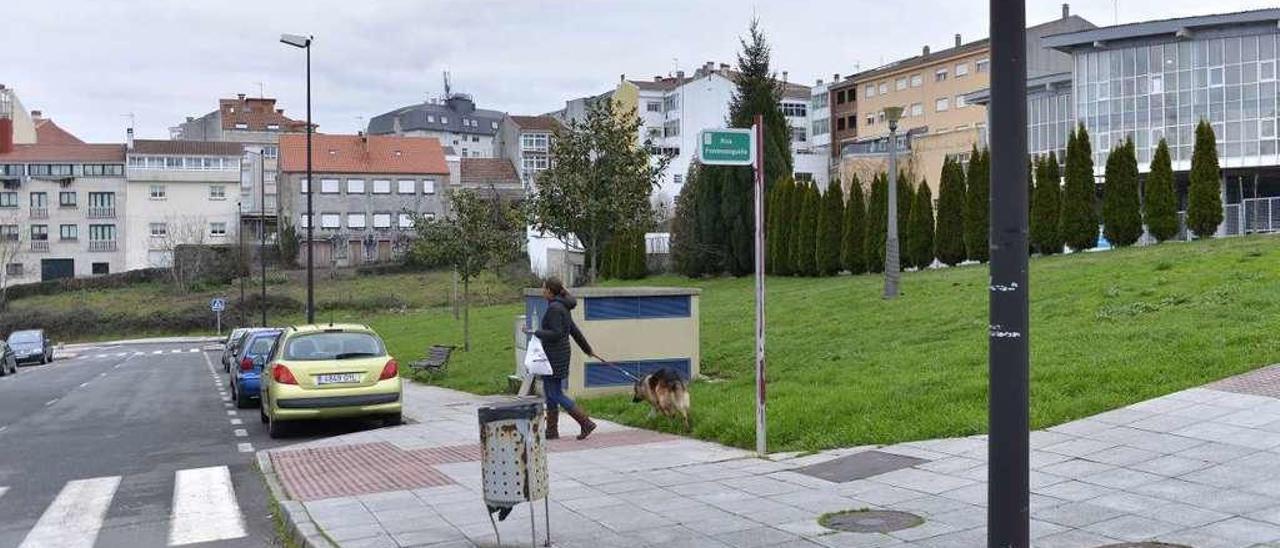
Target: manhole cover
column 870, row 521
column 1145, row 545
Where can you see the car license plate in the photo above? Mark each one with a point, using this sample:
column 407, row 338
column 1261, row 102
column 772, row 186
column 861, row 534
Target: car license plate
column 338, row 378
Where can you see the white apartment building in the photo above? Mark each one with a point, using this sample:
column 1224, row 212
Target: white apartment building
column 526, row 142
column 820, row 119
column 183, row 193
column 454, row 121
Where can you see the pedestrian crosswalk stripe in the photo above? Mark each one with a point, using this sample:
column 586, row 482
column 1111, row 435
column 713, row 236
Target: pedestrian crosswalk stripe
column 75, row 516
column 204, row 507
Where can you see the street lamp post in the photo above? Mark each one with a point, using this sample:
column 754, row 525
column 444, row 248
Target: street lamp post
column 304, row 42
column 262, row 230
column 240, row 269
column 891, row 270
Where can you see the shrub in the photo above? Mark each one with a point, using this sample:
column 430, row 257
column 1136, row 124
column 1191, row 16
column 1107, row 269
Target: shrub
column 1204, row 203
column 1161, row 203
column 852, row 250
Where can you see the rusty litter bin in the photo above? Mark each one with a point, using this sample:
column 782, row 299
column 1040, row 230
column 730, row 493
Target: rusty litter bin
column 513, row 461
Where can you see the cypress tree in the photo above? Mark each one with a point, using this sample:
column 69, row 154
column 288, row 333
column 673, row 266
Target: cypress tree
column 1078, row 225
column 877, row 221
column 788, row 216
column 772, row 227
column 1121, row 209
column 806, row 232
column 921, row 250
column 1204, row 202
column 906, row 197
column 684, row 227
column 1046, row 206
column 852, row 254
column 1161, row 203
column 830, row 229
column 709, row 248
column 977, row 188
column 949, row 236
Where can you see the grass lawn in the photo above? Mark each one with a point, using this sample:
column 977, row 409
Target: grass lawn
column 848, row 368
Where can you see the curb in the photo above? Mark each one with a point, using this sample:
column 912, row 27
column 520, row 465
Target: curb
column 297, row 521
column 157, row 340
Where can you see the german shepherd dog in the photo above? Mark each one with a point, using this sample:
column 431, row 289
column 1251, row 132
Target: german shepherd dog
column 666, row 393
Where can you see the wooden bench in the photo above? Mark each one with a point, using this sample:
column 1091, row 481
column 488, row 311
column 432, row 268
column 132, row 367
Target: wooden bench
column 437, row 358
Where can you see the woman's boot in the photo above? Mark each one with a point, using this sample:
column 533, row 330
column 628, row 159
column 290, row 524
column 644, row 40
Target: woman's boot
column 585, row 424
column 553, row 423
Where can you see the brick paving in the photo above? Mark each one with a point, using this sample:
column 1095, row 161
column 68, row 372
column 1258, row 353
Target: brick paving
column 1200, row 467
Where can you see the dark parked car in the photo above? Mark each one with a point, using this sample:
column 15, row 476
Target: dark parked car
column 8, row 364
column 233, row 344
column 246, row 376
column 31, row 346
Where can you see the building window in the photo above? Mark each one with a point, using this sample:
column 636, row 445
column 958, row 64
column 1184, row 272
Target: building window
column 39, row 200
column 493, row 125
column 840, row 97
column 917, row 109
column 355, row 220
column 534, row 163
column 653, row 106
column 821, row 127
column 671, row 128
column 539, row 141
column 8, row 199
column 355, row 186
column 12, row 170
column 900, row 84
column 102, row 233
column 884, row 88
column 799, row 135
column 431, row 119
column 429, row 186
column 381, row 220
column 66, row 199
column 101, row 269
column 273, row 127
column 68, row 232
column 158, row 192
column 304, row 220
column 217, row 192
column 962, row 69
column 940, row 75
column 406, row 186
column 795, row 109
column 941, row 104
column 50, row 170
column 671, row 103
column 983, row 65
column 840, row 123
column 406, row 220
column 329, row 186
column 917, row 80
column 382, row 186
column 13, row 269
column 8, row 233
column 331, row 221
column 218, row 230
column 270, row 151
column 871, row 119
column 39, row 233
column 960, row 102
column 869, row 91
column 819, row 101
column 102, row 170
column 444, row 119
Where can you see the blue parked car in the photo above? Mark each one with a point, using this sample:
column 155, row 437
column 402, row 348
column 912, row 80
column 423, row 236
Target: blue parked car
column 246, row 377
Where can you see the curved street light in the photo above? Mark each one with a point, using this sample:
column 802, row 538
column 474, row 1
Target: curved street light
column 304, row 42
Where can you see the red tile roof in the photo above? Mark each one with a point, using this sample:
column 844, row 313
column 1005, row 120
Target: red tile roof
column 257, row 114
column 49, row 133
column 536, row 123
column 485, row 171
column 368, row 154
column 207, row 148
column 65, row 153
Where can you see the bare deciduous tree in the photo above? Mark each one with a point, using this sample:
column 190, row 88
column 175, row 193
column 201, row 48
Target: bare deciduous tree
column 11, row 251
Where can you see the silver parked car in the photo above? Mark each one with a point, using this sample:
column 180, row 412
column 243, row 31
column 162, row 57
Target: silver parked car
column 8, row 364
column 31, row 345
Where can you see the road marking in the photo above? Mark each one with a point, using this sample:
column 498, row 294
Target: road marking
column 2, row 429
column 175, row 351
column 117, row 366
column 231, row 413
column 102, row 374
column 75, row 516
column 204, row 507
column 122, row 354
column 241, row 433
column 245, row 447
column 84, row 384
column 234, row 422
column 51, row 402
column 139, row 353
column 100, row 356
column 194, row 350
column 3, row 489
column 158, row 352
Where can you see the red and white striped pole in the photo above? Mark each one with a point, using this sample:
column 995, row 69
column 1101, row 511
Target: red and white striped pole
column 761, row 447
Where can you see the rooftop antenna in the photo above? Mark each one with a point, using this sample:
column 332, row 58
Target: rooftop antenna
column 261, row 90
column 131, row 118
column 446, row 85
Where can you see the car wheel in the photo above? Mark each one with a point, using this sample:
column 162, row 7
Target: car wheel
column 241, row 402
column 262, row 412
column 275, row 429
column 393, row 420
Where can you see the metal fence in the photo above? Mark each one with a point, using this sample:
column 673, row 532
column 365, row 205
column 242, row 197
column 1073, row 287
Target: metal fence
column 1261, row 214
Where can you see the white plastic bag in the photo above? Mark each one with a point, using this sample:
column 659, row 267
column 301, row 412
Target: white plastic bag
column 535, row 358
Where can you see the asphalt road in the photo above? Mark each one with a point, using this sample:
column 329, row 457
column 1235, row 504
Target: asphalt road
column 131, row 446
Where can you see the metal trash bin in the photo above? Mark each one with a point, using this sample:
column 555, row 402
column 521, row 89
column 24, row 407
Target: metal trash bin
column 513, row 460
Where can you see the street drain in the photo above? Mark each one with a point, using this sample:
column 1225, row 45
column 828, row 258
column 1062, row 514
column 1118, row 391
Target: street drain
column 1145, row 545
column 869, row 521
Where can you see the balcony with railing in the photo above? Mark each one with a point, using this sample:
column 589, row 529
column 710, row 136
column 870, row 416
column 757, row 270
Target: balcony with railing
column 39, row 213
column 102, row 212
column 102, row 245
column 40, row 246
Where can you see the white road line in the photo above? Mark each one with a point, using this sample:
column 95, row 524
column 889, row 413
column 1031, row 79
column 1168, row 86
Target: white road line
column 102, row 374
column 158, row 352
column 241, row 433
column 244, row 447
column 3, row 428
column 231, row 413
column 122, row 354
column 84, row 384
column 175, row 351
column 204, row 507
column 139, row 354
column 75, row 516
column 236, row 422
column 194, row 350
column 51, row 402
column 2, row 490
column 117, row 366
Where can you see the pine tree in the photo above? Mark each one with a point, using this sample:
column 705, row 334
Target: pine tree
column 709, row 247
column 977, row 214
column 806, row 232
column 772, row 227
column 1121, row 208
column 949, row 235
column 786, row 221
column 1046, row 206
column 1204, row 201
column 852, row 250
column 906, row 197
column 877, row 222
column 1078, row 225
column 830, row 229
column 921, row 250
column 684, row 227
column 1161, row 201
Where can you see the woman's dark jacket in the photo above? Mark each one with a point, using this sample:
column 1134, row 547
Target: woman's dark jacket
column 557, row 326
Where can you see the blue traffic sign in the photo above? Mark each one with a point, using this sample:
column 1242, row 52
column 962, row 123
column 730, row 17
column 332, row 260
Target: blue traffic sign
column 218, row 304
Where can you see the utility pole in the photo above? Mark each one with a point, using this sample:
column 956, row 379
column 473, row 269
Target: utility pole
column 892, row 272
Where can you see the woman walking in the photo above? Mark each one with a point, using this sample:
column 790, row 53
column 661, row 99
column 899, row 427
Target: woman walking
column 554, row 332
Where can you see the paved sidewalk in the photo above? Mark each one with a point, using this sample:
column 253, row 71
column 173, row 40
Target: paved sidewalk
column 1199, row 467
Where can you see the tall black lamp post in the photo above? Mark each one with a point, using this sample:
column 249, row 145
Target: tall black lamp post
column 304, row 42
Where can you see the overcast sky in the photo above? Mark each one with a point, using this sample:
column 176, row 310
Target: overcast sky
column 90, row 63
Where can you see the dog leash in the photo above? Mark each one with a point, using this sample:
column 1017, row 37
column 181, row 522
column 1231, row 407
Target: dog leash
column 615, row 366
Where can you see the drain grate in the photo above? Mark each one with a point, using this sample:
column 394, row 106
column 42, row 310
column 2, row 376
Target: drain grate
column 870, row 521
column 1145, row 545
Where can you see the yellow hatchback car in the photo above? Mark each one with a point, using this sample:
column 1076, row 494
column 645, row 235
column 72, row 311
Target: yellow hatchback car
column 329, row 371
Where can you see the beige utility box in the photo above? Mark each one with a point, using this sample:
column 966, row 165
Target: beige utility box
column 638, row 329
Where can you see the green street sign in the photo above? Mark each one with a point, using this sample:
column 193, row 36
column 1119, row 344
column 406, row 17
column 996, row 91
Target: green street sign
column 727, row 147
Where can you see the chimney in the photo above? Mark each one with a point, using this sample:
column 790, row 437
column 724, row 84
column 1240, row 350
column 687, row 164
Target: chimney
column 724, row 66
column 657, row 78
column 817, row 82
column 240, row 96
column 835, row 77
column 128, row 136
column 6, row 121
column 191, row 118
column 957, row 39
column 680, row 74
column 622, row 77
column 1066, row 11
column 784, row 76
column 36, row 115
column 924, row 51
column 279, row 111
